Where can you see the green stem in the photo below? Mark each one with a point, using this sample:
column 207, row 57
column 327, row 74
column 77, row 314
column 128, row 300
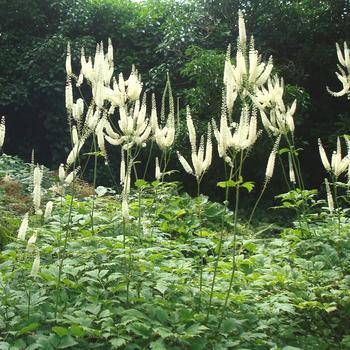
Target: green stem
column 200, row 252
column 148, row 160
column 337, row 209
column 62, row 255
column 234, row 243
column 94, row 185
column 139, row 212
column 296, row 163
column 124, row 232
column 256, row 203
column 216, row 263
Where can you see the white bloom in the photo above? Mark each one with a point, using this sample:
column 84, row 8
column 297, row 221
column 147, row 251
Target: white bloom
column 201, row 158
column 329, row 196
column 2, row 131
column 61, row 173
column 241, row 29
column 71, row 176
column 281, row 119
column 122, row 168
column 35, row 266
column 69, row 96
column 338, row 165
column 33, row 238
column 37, row 176
column 125, row 209
column 134, row 86
column 72, row 156
column 291, row 169
column 48, row 210
column 37, row 198
column 75, row 137
column 158, row 173
column 238, row 136
column 344, row 71
column 68, row 61
column 271, row 162
column 23, row 228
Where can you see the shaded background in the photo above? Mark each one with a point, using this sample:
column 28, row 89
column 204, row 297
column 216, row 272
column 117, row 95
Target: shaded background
column 186, row 38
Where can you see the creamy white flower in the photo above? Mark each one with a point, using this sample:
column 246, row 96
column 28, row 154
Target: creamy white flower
column 330, row 201
column 271, row 161
column 69, row 96
column 338, row 164
column 68, row 61
column 61, row 173
column 158, row 173
column 249, row 73
column 35, row 266
column 125, row 209
column 2, row 131
column 71, row 176
column 281, row 119
column 291, row 169
column 241, row 29
column 33, row 238
column 23, row 228
column 344, row 71
column 75, row 137
column 48, row 210
column 201, row 158
column 37, row 198
column 134, row 85
column 238, row 136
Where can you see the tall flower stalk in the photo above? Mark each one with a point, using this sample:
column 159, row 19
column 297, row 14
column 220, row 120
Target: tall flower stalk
column 201, row 160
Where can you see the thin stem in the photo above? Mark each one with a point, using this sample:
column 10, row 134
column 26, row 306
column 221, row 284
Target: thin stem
column 295, row 162
column 94, row 186
column 200, row 252
column 62, row 255
column 124, row 232
column 337, row 209
column 216, row 263
column 234, row 242
column 257, row 202
column 148, row 160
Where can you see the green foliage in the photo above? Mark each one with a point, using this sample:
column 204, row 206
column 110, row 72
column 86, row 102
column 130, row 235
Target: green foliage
column 290, row 290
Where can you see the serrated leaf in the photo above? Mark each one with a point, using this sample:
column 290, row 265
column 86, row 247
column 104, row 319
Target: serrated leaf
column 158, row 345
column 117, row 342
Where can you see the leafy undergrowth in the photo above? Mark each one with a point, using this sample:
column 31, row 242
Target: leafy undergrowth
column 291, row 288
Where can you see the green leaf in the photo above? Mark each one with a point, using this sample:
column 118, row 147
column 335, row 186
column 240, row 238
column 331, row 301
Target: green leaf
column 283, row 150
column 229, row 325
column 117, row 343
column 27, row 329
column 66, row 342
column 158, row 345
column 76, row 331
column 227, row 184
column 140, row 183
column 4, row 345
column 248, row 185
column 61, row 331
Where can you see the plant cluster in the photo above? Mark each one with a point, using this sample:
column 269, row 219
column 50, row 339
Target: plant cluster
column 150, row 268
